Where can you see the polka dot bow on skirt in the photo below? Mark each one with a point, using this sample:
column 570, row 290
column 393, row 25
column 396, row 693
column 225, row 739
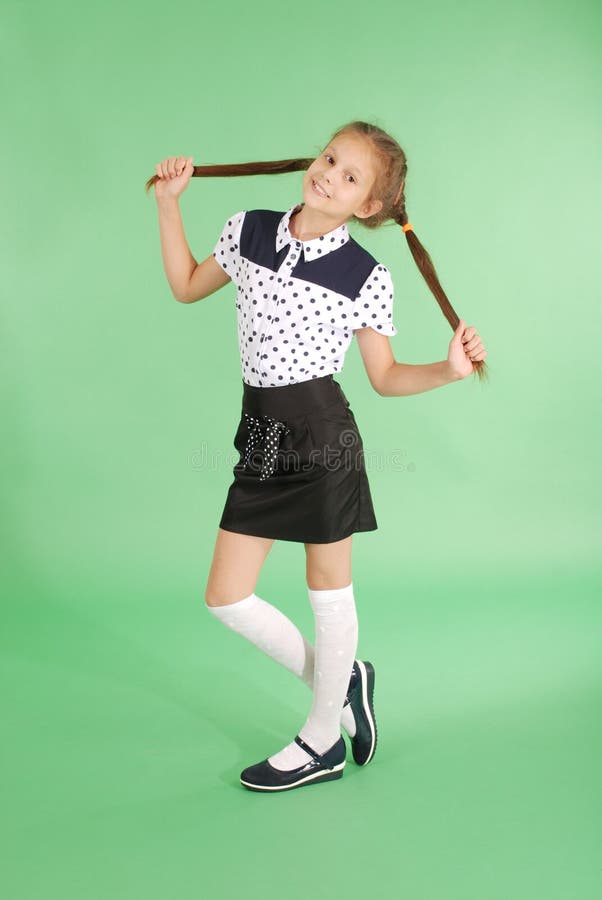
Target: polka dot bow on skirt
column 267, row 431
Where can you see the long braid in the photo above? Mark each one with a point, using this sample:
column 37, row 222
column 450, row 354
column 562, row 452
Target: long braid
column 425, row 264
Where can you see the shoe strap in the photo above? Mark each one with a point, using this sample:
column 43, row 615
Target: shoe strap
column 308, row 749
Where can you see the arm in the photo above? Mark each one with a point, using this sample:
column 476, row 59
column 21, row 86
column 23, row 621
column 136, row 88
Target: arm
column 394, row 379
column 188, row 280
column 206, row 278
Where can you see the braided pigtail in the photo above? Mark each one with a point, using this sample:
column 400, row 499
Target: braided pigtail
column 251, row 168
column 426, row 266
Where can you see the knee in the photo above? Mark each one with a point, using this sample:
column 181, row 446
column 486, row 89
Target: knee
column 216, row 594
column 329, row 584
column 326, row 578
column 213, row 598
column 328, row 567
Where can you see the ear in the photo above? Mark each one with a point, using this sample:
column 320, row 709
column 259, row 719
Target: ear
column 370, row 208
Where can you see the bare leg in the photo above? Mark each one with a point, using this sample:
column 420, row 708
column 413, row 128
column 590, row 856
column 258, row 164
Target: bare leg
column 328, row 565
column 235, row 568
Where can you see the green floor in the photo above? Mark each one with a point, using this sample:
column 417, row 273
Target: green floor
column 127, row 721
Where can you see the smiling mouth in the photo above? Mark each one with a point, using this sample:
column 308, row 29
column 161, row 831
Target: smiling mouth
column 317, row 190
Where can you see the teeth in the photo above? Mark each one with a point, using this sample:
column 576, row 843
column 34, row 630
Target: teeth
column 317, row 187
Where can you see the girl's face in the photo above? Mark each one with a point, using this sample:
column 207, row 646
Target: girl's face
column 339, row 181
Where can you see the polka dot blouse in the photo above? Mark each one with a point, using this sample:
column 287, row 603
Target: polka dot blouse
column 299, row 302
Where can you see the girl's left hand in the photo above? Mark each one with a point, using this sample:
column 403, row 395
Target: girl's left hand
column 464, row 347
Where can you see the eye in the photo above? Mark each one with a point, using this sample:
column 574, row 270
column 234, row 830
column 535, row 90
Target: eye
column 328, row 156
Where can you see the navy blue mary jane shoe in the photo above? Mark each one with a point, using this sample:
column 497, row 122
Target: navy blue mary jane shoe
column 321, row 767
column 360, row 696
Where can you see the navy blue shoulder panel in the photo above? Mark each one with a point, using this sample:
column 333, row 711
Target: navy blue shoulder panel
column 343, row 270
column 258, row 238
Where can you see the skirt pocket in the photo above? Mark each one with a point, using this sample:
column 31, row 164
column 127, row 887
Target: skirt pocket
column 336, row 439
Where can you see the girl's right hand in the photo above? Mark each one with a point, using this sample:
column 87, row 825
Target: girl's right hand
column 173, row 176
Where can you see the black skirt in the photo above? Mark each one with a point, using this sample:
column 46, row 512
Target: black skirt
column 300, row 474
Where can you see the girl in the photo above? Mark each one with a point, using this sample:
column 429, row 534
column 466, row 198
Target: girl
column 305, row 287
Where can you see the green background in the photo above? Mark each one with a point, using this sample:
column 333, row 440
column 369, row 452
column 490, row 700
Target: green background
column 129, row 712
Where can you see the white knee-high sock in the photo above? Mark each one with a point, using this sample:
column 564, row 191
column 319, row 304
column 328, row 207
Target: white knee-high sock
column 336, row 643
column 269, row 629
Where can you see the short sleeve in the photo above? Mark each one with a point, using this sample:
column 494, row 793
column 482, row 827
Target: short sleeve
column 373, row 306
column 227, row 249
